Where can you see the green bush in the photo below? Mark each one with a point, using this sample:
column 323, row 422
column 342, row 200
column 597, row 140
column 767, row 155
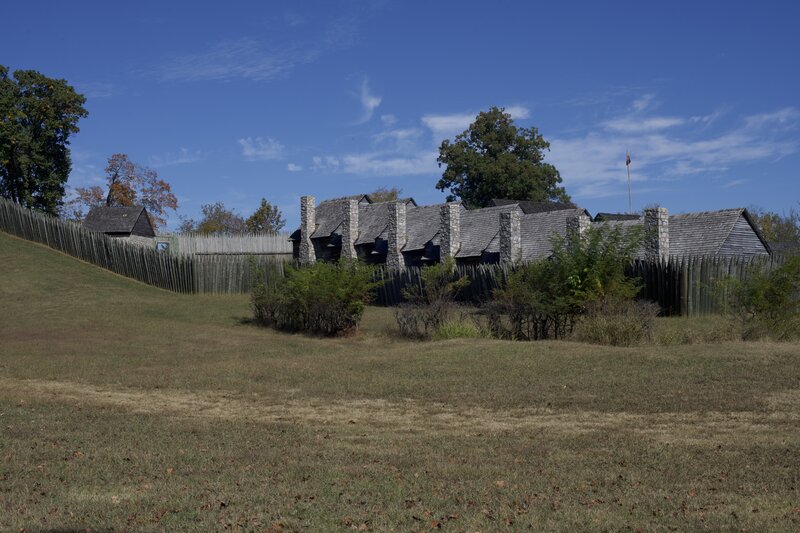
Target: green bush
column 431, row 304
column 544, row 299
column 617, row 322
column 767, row 302
column 325, row 299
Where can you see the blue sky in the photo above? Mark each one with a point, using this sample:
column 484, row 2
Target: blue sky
column 234, row 101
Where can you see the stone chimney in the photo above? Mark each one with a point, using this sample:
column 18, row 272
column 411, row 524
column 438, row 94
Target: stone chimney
column 510, row 237
column 577, row 226
column 396, row 237
column 656, row 238
column 308, row 223
column 450, row 230
column 349, row 229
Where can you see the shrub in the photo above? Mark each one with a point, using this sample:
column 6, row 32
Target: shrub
column 617, row 322
column 767, row 302
column 430, row 304
column 544, row 299
column 326, row 298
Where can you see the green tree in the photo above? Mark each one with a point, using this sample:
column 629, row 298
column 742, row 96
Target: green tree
column 216, row 219
column 128, row 184
column 266, row 219
column 782, row 231
column 496, row 159
column 37, row 116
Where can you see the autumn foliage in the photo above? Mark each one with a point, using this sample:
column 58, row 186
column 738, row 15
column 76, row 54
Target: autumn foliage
column 128, row 184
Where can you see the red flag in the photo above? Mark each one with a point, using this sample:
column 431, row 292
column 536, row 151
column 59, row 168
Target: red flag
column 628, row 159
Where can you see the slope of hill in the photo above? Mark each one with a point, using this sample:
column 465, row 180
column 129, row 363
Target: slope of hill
column 125, row 407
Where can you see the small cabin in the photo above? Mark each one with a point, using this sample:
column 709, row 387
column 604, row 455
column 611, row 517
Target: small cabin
column 123, row 222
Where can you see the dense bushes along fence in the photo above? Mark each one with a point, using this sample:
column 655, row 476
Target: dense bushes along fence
column 680, row 286
column 178, row 273
column 684, row 286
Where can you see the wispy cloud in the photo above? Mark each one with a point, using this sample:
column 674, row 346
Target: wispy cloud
column 448, row 126
column 257, row 59
column 369, row 102
column 93, row 89
column 261, row 149
column 291, row 167
column 182, row 157
column 668, row 148
column 639, row 125
column 388, row 119
column 378, row 164
column 242, row 58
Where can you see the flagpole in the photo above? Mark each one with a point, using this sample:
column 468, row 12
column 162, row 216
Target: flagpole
column 628, row 166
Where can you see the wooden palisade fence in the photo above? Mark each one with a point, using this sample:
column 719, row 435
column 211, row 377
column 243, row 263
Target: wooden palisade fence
column 174, row 272
column 681, row 286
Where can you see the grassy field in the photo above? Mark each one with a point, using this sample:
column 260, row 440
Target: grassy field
column 123, row 407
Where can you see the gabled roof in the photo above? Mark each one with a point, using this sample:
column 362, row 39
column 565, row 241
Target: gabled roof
column 114, row 219
column 422, row 225
column 372, row 221
column 479, row 228
column 531, row 206
column 705, row 232
column 538, row 229
column 605, row 217
column 328, row 217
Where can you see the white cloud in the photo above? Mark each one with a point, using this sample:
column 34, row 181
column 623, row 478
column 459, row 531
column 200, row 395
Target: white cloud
column 787, row 115
column 327, row 163
column 258, row 59
column 291, row 167
column 594, row 164
column 644, row 102
column 448, row 126
column 388, row 119
column 518, row 112
column 260, row 149
column 639, row 125
column 182, row 157
column 243, row 58
column 369, row 102
column 379, row 164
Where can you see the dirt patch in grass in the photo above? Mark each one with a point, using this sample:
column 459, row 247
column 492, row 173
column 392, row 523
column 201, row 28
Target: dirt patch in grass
column 411, row 415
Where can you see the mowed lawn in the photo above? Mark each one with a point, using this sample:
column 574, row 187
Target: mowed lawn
column 124, row 407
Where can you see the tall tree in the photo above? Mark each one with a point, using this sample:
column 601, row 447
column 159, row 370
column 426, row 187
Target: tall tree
column 129, row 184
column 385, row 194
column 216, row 219
column 266, row 219
column 781, row 230
column 37, row 116
column 496, row 159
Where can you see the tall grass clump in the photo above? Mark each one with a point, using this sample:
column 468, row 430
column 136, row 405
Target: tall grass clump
column 324, row 299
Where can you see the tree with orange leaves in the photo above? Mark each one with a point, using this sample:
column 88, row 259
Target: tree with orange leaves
column 128, row 184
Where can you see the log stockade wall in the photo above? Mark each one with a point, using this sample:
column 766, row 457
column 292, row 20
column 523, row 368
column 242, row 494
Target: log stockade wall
column 681, row 286
column 239, row 244
column 181, row 273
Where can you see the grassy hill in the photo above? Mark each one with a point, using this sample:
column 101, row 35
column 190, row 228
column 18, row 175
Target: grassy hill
column 128, row 407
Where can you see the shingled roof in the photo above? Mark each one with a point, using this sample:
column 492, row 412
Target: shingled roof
column 118, row 220
column 530, row 206
column 422, row 225
column 708, row 232
column 538, row 229
column 479, row 227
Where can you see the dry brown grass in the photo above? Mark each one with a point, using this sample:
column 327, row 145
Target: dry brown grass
column 127, row 408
